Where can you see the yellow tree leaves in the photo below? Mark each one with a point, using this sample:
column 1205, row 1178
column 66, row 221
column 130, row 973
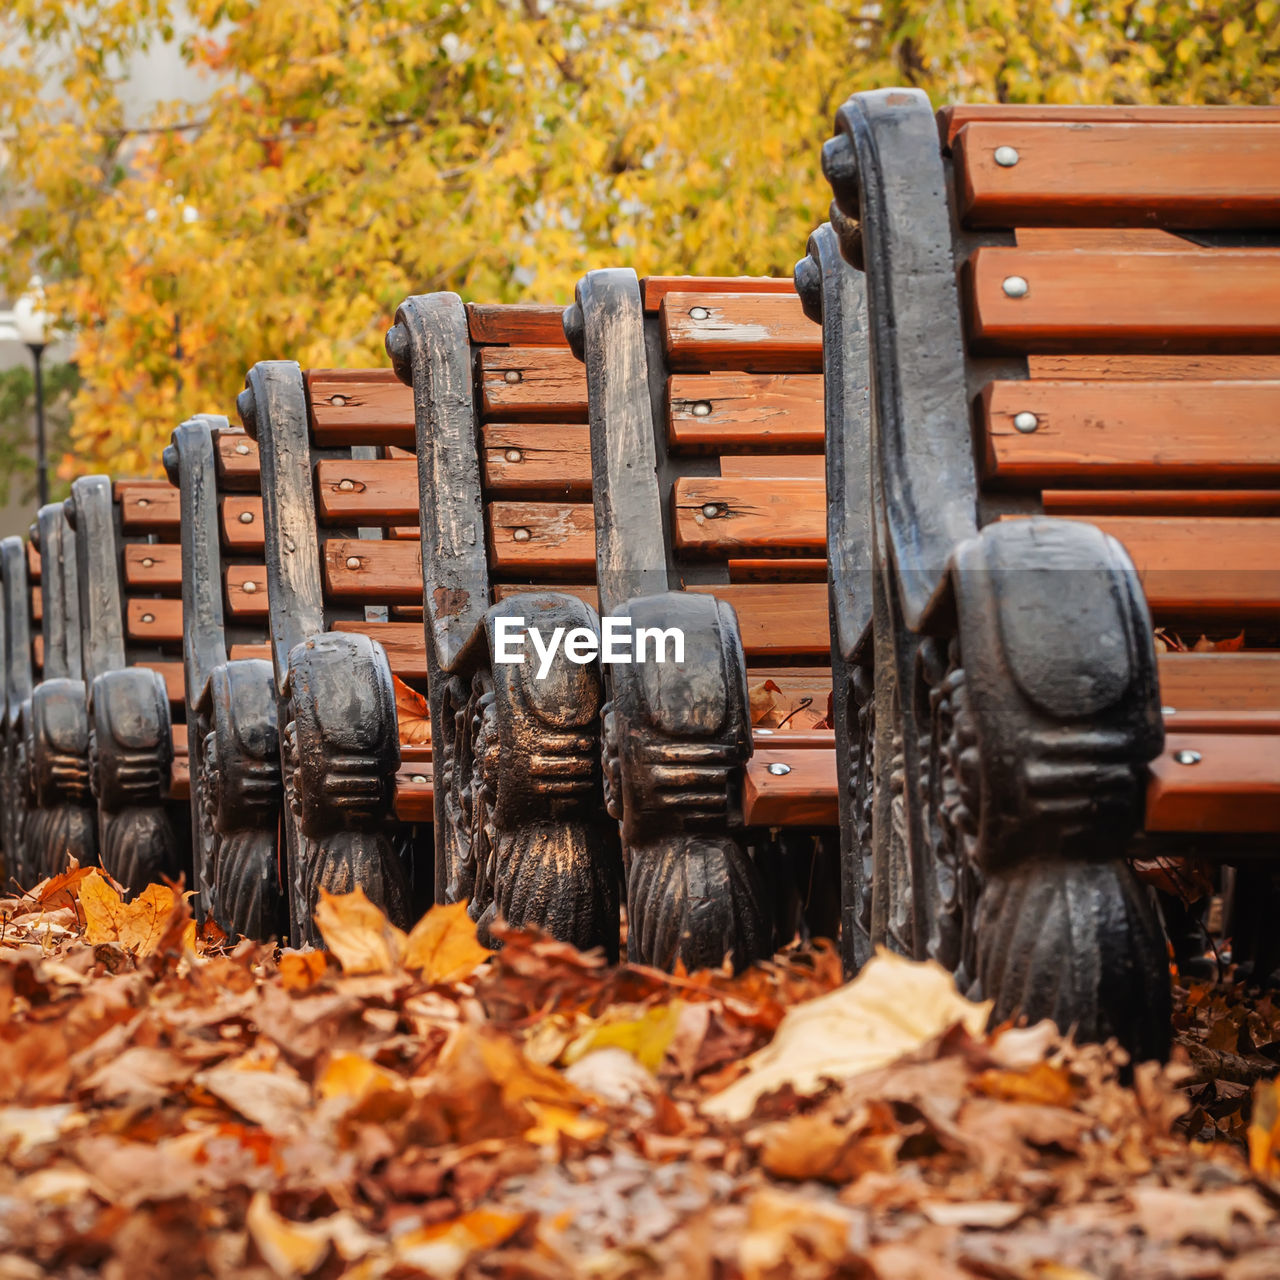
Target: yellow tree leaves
column 348, row 155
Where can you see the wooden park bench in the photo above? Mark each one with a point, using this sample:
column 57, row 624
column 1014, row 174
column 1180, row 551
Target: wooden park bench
column 17, row 668
column 1074, row 343
column 706, row 428
column 53, row 802
column 129, row 578
column 233, row 736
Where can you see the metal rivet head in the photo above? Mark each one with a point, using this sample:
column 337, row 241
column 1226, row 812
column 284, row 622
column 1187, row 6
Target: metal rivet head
column 699, row 313
column 242, row 449
column 1187, row 756
column 419, row 778
column 512, row 375
column 246, row 517
column 346, row 485
column 250, row 587
column 778, row 769
column 702, row 409
column 767, row 732
column 1168, row 711
column 148, row 617
column 147, row 562
column 144, row 502
column 514, row 455
column 521, row 535
column 1006, row 157
column 711, row 510
column 1026, row 421
column 353, row 562
column 338, row 402
column 1015, row 287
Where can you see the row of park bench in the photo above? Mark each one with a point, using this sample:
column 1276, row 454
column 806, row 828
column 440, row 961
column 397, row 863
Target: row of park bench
column 937, row 524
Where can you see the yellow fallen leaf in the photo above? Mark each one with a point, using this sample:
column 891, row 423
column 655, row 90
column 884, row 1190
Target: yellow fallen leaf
column 552, row 1121
column 1264, row 1129
column 890, row 1009
column 361, row 938
column 352, row 1075
column 443, row 944
column 301, row 969
column 138, row 925
column 413, row 716
column 444, row 1248
column 288, row 1248
column 645, row 1038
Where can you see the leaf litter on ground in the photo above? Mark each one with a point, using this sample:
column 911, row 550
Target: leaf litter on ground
column 412, row 1104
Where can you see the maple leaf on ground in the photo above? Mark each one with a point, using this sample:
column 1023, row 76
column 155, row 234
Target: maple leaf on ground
column 443, row 945
column 141, row 924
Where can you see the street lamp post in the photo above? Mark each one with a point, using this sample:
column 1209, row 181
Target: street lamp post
column 32, row 323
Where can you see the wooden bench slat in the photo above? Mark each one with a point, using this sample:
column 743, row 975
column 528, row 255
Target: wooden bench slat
column 537, row 457
column 533, row 382
column 1227, row 301
column 175, row 684
column 33, row 563
column 37, row 604
column 790, row 569
column 148, row 506
column 376, row 492
column 414, row 799
column 1197, row 433
column 405, row 643
column 1143, row 368
column 246, row 592
column 714, row 514
column 539, row 537
column 153, row 566
column 755, row 333
column 237, row 461
column 154, row 621
column 951, row 119
column 777, row 618
column 807, row 795
column 764, row 466
column 1235, row 786
column 1168, row 175
column 242, row 530
column 708, row 413
column 245, row 650
column 387, row 571
column 1197, row 687
column 654, row 288
column 359, row 406
column 519, row 324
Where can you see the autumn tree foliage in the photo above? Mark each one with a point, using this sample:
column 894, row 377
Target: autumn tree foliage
column 350, row 152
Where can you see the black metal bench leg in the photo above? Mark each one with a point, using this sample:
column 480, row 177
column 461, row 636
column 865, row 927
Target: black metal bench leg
column 61, row 822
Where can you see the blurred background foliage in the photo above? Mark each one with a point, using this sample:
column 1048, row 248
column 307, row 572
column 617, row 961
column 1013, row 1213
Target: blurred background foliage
column 350, row 152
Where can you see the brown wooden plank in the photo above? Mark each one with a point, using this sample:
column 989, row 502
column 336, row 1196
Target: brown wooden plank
column 175, row 685
column 414, row 799
column 405, row 643
column 764, row 466
column 779, row 618
column 239, row 651
column 378, row 492
column 542, row 537
column 1156, row 433
column 359, row 406
column 952, row 119
column 717, row 515
column 545, row 383
column 1219, row 567
column 805, row 796
column 520, row 324
column 242, row 523
column 1179, row 368
column 1157, row 502
column 237, row 462
column 508, row 590
column 180, row 777
column 757, row 334
column 788, row 570
column 148, row 507
column 246, row 592
column 33, row 563
column 537, row 458
column 1106, row 239
column 153, row 566
column 1197, row 683
column 37, row 604
column 654, row 288
column 1227, row 301
column 154, row 621
column 37, row 651
column 388, row 571
column 709, row 413
column 1233, row 787
column 1167, row 175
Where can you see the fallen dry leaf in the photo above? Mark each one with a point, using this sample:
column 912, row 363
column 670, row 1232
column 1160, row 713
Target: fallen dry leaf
column 413, row 715
column 138, row 925
column 361, row 938
column 443, row 946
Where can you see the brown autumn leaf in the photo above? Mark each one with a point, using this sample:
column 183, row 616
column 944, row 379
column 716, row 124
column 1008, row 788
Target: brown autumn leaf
column 302, row 969
column 360, row 937
column 1264, row 1130
column 1228, row 644
column 413, row 715
column 139, row 925
column 443, row 945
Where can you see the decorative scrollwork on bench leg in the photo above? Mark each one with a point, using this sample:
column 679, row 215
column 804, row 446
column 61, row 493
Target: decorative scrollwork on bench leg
column 62, row 821
column 240, row 798
column 131, row 752
column 527, row 838
column 1045, row 719
column 677, row 738
column 340, row 750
